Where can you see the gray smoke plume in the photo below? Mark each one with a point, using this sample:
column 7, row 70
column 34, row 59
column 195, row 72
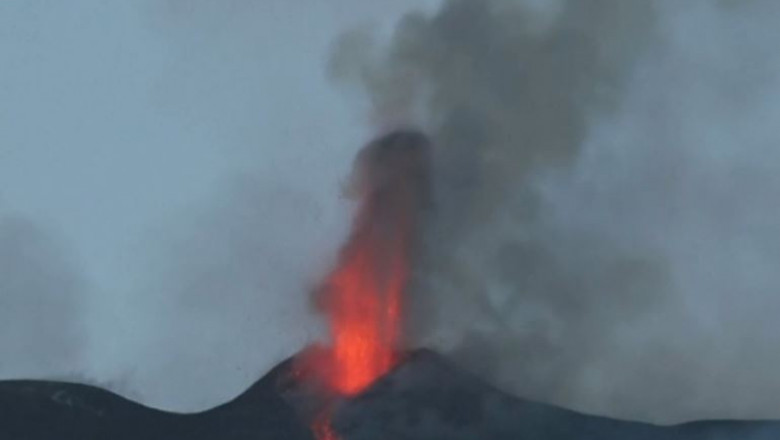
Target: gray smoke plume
column 605, row 230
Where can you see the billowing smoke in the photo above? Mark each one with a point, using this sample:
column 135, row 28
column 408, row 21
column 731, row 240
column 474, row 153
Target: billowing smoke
column 604, row 233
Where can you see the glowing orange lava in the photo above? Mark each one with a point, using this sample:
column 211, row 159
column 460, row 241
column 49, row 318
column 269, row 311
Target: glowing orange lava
column 366, row 305
column 363, row 297
column 321, row 427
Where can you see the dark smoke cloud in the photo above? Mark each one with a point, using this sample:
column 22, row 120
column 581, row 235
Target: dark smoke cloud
column 602, row 236
column 41, row 302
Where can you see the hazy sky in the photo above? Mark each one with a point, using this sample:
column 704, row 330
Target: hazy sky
column 93, row 143
column 126, row 126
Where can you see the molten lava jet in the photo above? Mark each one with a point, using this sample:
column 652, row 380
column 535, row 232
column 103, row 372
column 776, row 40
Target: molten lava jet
column 363, row 297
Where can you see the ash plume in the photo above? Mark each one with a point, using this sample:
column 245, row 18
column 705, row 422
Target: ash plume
column 604, row 227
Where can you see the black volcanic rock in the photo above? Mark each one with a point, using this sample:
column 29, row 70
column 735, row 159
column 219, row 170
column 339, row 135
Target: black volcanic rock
column 425, row 397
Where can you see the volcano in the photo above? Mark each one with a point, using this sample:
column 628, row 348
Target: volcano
column 361, row 384
column 424, row 397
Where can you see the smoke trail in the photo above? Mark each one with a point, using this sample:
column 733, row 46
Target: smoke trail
column 603, row 234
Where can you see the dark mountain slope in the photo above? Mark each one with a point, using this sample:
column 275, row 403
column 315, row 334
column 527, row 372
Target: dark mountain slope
column 44, row 410
column 425, row 397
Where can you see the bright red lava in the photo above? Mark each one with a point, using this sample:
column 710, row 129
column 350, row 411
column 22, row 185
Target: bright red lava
column 365, row 301
column 362, row 297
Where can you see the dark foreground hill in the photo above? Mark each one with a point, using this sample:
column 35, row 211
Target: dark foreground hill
column 424, row 398
column 41, row 410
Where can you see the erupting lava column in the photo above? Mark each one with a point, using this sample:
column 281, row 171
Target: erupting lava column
column 363, row 298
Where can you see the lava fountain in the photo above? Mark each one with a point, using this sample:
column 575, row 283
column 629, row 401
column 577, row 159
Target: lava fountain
column 363, row 297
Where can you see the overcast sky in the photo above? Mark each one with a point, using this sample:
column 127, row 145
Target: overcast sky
column 132, row 133
column 95, row 144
